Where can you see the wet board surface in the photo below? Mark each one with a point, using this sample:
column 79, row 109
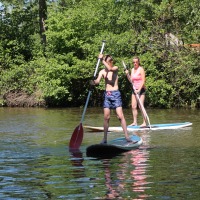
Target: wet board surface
column 113, row 147
column 138, row 128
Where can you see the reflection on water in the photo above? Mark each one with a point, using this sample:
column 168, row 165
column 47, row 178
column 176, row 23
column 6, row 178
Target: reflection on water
column 130, row 173
column 139, row 158
column 131, row 177
column 35, row 162
column 76, row 158
column 113, row 186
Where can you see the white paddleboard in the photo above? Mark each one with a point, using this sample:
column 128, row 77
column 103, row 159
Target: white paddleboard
column 138, row 128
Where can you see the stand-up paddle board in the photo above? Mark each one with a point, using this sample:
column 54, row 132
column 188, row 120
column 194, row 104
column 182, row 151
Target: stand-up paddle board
column 139, row 128
column 113, row 147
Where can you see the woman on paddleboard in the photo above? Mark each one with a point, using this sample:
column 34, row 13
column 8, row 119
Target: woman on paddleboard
column 112, row 95
column 138, row 79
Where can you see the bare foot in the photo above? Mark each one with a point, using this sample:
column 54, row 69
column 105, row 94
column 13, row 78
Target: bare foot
column 131, row 141
column 143, row 125
column 103, row 141
column 128, row 139
column 133, row 124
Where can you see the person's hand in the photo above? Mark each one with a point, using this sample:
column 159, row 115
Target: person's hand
column 100, row 56
column 137, row 91
column 92, row 83
column 126, row 71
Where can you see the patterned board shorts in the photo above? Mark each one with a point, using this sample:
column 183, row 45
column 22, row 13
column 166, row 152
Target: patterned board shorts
column 112, row 99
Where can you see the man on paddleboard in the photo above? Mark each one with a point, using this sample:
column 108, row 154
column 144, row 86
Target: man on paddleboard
column 112, row 95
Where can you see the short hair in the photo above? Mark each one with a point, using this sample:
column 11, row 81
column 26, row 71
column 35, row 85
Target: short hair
column 107, row 57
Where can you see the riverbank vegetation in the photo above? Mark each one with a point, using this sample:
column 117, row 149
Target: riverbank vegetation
column 49, row 49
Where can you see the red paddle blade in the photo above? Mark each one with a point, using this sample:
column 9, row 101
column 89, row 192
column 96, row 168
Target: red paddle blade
column 77, row 137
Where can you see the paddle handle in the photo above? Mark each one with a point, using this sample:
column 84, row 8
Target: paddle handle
column 99, row 60
column 88, row 97
column 139, row 101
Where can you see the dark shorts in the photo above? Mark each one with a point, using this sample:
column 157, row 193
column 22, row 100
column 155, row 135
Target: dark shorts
column 112, row 99
column 142, row 91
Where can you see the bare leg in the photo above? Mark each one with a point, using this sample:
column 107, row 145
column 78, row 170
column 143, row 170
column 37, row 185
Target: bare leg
column 142, row 98
column 106, row 124
column 121, row 118
column 134, row 110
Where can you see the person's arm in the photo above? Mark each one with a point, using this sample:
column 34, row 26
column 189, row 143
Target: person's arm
column 97, row 80
column 128, row 75
column 113, row 68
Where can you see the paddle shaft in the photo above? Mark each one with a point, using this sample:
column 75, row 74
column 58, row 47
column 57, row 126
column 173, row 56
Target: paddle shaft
column 77, row 135
column 144, row 113
column 142, row 107
column 90, row 91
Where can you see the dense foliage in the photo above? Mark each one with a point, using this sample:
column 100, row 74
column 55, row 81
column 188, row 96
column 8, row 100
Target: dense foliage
column 59, row 68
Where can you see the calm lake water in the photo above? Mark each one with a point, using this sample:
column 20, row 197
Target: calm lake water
column 35, row 162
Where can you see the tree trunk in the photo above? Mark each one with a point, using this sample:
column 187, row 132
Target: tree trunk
column 42, row 18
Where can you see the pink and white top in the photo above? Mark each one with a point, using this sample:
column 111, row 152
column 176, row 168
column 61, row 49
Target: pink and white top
column 137, row 78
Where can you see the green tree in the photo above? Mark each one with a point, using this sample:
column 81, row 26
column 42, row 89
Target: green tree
column 72, row 31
